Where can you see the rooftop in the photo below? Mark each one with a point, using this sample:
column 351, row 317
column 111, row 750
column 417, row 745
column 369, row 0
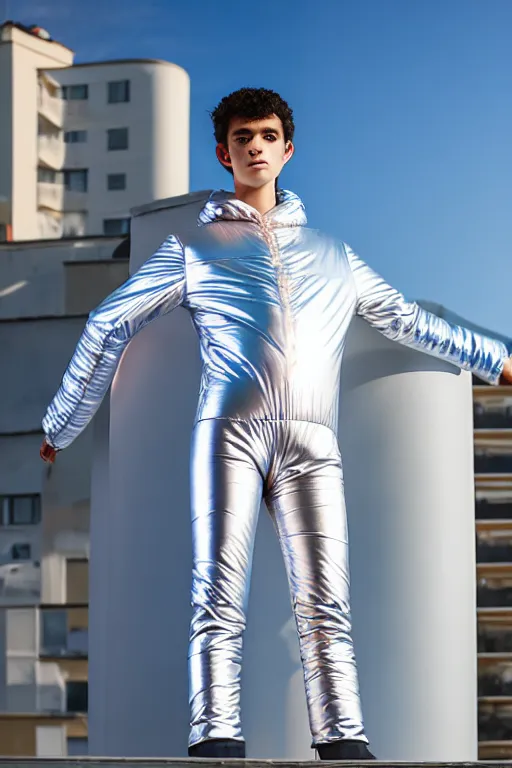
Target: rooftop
column 30, row 29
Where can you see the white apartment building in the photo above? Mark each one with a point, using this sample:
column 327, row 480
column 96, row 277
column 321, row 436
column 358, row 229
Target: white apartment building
column 80, row 145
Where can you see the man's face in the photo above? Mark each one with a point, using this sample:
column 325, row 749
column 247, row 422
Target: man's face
column 256, row 150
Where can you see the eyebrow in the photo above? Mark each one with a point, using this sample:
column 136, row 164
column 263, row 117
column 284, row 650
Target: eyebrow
column 247, row 131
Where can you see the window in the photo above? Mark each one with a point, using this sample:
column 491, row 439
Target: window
column 118, row 91
column 76, row 180
column 54, row 631
column 75, row 92
column 117, row 138
column 76, row 696
column 116, row 181
column 75, row 137
column 20, row 510
column 116, row 226
column 57, row 638
column 21, row 551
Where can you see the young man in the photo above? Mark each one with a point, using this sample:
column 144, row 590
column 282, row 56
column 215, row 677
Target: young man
column 271, row 301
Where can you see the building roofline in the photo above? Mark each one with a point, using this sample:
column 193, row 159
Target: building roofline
column 170, row 202
column 117, row 61
column 51, row 243
column 37, row 318
column 82, row 262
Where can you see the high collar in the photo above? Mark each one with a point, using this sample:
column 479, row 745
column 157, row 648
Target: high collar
column 223, row 206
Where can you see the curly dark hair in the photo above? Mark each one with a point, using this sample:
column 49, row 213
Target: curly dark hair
column 254, row 104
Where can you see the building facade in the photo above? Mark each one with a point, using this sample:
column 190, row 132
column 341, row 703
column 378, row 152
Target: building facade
column 80, row 145
column 46, row 290
column 493, row 493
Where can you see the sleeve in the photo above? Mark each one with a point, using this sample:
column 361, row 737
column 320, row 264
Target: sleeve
column 154, row 290
column 406, row 322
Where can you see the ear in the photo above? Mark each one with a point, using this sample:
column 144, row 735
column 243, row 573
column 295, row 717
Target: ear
column 223, row 155
column 290, row 149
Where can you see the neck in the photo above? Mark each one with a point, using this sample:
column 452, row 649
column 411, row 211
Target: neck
column 262, row 199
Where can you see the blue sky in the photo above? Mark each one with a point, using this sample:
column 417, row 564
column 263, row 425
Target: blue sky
column 403, row 111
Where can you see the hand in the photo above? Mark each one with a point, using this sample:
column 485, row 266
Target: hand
column 47, row 452
column 506, row 376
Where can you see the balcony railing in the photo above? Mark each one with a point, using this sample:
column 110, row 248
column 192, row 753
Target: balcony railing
column 51, row 150
column 50, row 195
column 51, row 107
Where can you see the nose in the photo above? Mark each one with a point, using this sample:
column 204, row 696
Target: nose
column 254, row 150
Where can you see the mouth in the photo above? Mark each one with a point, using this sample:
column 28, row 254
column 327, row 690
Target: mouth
column 258, row 164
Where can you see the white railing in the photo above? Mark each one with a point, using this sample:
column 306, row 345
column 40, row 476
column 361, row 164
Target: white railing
column 48, row 226
column 51, row 150
column 51, row 107
column 50, row 195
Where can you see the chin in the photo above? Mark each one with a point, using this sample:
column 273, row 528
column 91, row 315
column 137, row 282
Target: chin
column 256, row 182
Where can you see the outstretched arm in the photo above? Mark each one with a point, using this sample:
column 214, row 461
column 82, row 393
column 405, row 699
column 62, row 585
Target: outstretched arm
column 406, row 322
column 155, row 289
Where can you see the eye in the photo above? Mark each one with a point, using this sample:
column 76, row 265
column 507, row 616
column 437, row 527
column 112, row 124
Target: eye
column 241, row 139
column 270, row 136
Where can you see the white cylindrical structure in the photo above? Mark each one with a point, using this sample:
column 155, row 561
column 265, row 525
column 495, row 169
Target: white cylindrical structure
column 405, row 432
column 406, row 436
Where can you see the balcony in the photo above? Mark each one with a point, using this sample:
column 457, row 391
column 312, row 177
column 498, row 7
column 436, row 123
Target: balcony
column 20, row 583
column 492, row 411
column 494, row 542
column 492, row 419
column 488, row 463
column 495, row 632
column 51, row 150
column 51, row 107
column 49, row 225
column 50, row 195
column 494, row 509
column 494, row 585
column 495, row 719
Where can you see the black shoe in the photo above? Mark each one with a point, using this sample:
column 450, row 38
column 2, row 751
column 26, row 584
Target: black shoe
column 218, row 748
column 345, row 749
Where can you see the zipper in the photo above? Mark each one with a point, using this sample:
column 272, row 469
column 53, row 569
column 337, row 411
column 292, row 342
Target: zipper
column 283, row 287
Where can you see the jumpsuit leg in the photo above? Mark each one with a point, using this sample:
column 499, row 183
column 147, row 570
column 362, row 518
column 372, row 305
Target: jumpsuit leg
column 306, row 502
column 226, row 495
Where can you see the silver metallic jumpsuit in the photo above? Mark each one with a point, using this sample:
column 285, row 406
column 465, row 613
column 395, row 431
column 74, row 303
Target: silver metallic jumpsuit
column 271, row 301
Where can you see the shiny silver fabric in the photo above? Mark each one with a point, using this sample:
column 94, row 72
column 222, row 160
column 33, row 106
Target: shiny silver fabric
column 272, row 302
column 296, row 467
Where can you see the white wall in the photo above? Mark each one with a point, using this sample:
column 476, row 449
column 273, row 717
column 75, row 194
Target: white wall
column 38, row 351
column 157, row 117
column 28, row 54
column 32, row 277
column 6, row 132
